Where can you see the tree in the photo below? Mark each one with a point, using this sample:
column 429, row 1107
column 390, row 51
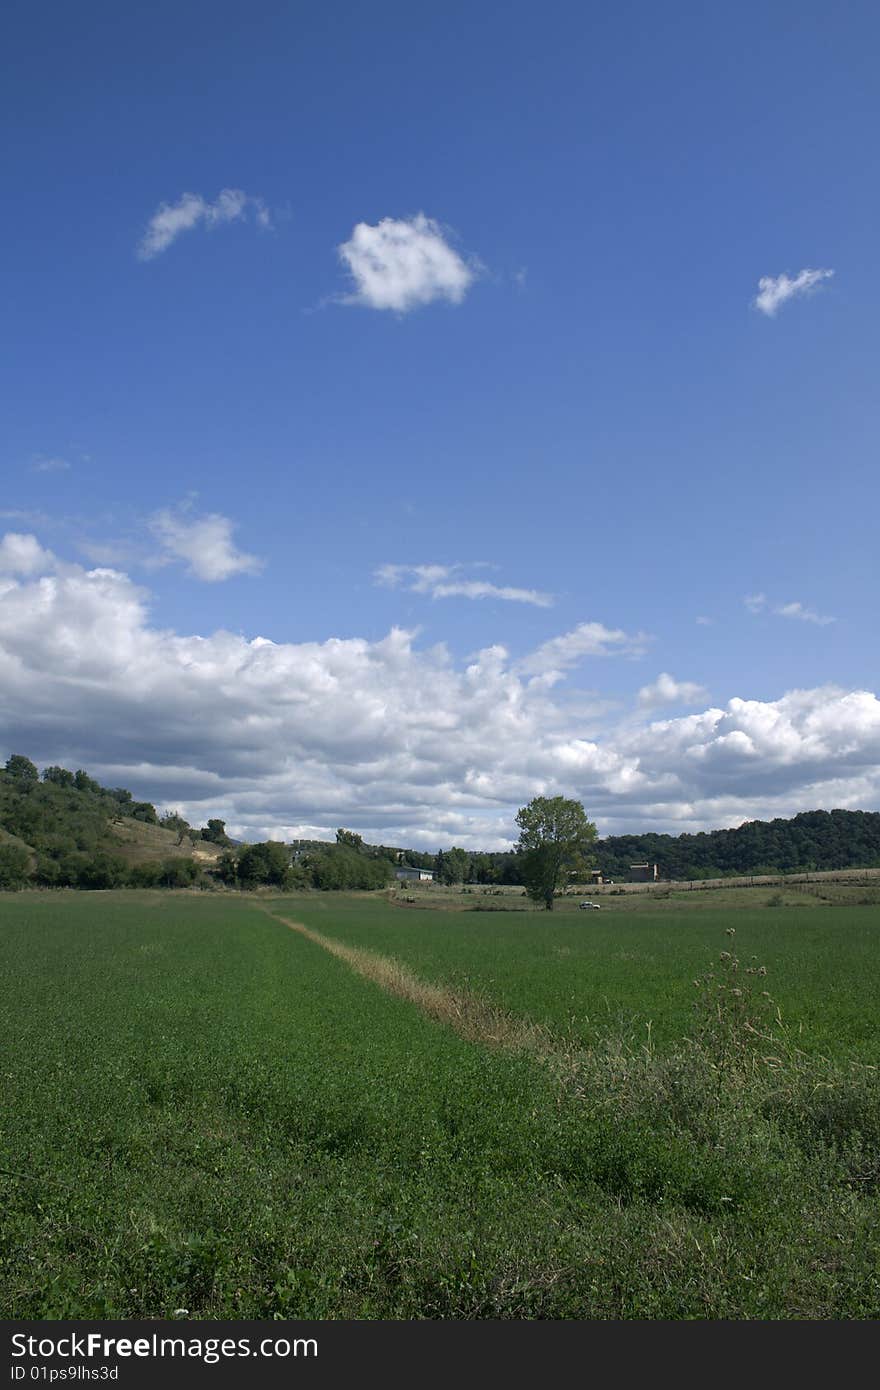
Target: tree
column 178, row 873
column 21, row 768
column 59, row 776
column 226, row 869
column 266, row 862
column 174, row 822
column 482, row 869
column 555, row 840
column 14, row 866
column 340, row 867
column 456, row 863
column 84, row 783
column 215, row 833
column 349, row 838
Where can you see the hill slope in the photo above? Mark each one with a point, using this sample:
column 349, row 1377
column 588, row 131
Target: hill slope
column 67, row 829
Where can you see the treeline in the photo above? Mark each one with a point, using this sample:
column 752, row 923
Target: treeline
column 249, row 866
column 808, row 843
column 349, row 864
column 56, row 831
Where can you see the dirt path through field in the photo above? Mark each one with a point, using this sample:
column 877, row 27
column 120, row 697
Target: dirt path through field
column 472, row 1018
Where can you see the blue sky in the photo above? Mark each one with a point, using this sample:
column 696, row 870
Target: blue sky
column 457, row 335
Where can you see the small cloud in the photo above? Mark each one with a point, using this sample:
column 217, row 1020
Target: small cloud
column 772, row 293
column 438, row 581
column 172, row 219
column 758, row 603
column 802, row 614
column 401, row 264
column 587, row 639
column 666, row 690
column 703, row 621
column 478, row 588
column 43, row 464
column 205, row 543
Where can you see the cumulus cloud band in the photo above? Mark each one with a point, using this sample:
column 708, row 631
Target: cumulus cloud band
column 399, row 742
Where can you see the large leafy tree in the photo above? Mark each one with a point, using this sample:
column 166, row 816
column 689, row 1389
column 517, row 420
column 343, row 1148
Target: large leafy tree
column 555, row 840
column 267, row 862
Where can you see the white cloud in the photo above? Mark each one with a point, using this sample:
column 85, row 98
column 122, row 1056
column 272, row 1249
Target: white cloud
column 439, row 582
column 172, row 219
column 23, row 554
column 205, row 543
column 401, row 264
column 666, row 690
column 804, row 615
column 403, row 744
column 758, row 603
column 587, row 639
column 773, row 293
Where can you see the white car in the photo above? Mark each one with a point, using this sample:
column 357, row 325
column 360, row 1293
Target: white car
column 584, row 906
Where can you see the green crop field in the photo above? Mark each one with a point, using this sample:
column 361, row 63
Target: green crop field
column 630, row 966
column 206, row 1114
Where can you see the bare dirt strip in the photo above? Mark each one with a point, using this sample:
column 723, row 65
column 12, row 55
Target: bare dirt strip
column 472, row 1018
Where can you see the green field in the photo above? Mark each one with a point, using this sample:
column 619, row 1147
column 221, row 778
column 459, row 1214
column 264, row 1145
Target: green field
column 204, row 1111
column 633, row 964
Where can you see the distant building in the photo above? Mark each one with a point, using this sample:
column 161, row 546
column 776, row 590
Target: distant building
column 643, row 873
column 596, row 877
column 404, row 874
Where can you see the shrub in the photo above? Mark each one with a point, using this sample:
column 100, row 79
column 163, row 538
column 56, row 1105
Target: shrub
column 101, row 871
column 14, row 866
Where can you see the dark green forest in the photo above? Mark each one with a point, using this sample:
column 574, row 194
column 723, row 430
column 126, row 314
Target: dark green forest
column 809, row 842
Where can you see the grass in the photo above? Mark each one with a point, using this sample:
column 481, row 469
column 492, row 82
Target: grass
column 205, row 1111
